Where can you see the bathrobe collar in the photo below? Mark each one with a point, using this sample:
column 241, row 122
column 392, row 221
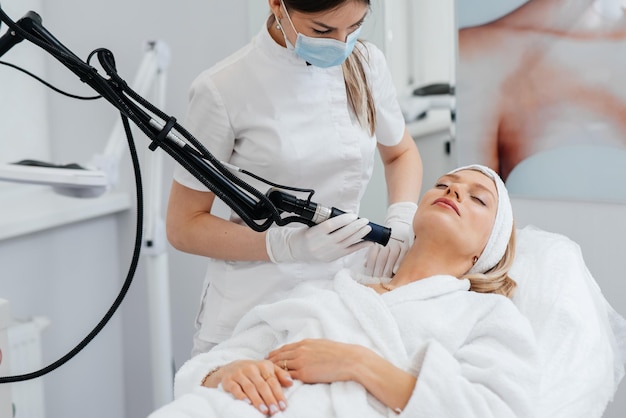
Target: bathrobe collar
column 427, row 288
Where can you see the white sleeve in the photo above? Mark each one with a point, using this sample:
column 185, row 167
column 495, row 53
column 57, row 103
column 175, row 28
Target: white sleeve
column 252, row 343
column 389, row 120
column 495, row 373
column 208, row 121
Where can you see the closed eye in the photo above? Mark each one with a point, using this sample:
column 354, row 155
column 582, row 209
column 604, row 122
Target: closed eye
column 328, row 30
column 479, row 200
column 358, row 24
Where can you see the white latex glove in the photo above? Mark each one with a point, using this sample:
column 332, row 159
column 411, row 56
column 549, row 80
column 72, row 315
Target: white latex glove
column 327, row 241
column 384, row 261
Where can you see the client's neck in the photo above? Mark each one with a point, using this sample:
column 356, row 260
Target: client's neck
column 419, row 264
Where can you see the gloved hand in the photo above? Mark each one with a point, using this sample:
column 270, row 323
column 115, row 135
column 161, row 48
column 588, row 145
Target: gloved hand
column 384, row 261
column 327, row 241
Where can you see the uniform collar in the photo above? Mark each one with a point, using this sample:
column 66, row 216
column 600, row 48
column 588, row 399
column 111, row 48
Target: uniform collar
column 275, row 51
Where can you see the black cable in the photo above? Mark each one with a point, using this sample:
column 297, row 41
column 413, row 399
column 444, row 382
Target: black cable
column 195, row 158
column 191, row 154
column 73, row 62
column 45, row 83
column 264, row 207
column 115, row 90
column 126, row 285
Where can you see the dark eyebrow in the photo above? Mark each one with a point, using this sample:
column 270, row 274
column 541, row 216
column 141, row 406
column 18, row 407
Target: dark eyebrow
column 325, row 26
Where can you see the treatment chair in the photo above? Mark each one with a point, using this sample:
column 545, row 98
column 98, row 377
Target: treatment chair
column 582, row 339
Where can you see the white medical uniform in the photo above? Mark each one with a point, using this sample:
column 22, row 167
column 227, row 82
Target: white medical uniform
column 265, row 110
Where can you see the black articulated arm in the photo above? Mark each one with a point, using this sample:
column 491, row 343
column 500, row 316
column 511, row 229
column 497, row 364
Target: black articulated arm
column 163, row 130
column 258, row 210
column 254, row 207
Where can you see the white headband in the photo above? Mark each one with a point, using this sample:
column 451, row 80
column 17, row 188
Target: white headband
column 502, row 226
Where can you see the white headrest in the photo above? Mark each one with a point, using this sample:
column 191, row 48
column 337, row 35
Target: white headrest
column 582, row 339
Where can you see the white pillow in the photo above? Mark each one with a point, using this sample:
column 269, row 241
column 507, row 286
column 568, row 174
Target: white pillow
column 582, row 339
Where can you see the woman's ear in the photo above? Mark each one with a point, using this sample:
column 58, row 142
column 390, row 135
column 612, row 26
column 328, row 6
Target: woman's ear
column 276, row 8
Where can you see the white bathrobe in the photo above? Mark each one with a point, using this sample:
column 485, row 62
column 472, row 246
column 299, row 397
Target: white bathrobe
column 474, row 354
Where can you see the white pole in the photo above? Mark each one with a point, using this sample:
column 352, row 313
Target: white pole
column 154, row 249
column 160, row 329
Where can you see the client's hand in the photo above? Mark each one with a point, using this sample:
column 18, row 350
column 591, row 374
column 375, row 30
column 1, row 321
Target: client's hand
column 258, row 382
column 317, row 361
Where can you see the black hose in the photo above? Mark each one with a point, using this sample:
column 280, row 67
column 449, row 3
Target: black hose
column 126, row 285
column 196, row 159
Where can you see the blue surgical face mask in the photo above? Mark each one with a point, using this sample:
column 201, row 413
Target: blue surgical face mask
column 321, row 52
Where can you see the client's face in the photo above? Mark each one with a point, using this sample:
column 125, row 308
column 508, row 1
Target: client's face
column 459, row 211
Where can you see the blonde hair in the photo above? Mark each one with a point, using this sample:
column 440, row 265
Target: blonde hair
column 497, row 279
column 360, row 97
column 358, row 91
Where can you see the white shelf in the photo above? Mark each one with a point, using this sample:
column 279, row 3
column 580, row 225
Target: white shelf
column 30, row 209
column 63, row 177
column 436, row 121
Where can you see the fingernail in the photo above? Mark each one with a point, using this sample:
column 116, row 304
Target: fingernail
column 248, row 401
column 263, row 409
column 273, row 409
column 282, row 405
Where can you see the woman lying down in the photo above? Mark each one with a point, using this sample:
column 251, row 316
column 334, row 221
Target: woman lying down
column 440, row 339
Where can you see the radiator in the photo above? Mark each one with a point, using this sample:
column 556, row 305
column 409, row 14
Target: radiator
column 25, row 356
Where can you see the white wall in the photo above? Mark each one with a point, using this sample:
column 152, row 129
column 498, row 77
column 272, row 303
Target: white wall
column 25, row 133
